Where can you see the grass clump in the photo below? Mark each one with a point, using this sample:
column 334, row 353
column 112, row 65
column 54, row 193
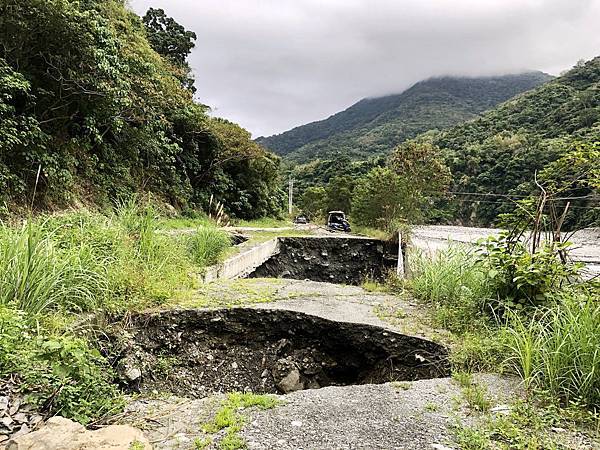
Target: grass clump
column 207, row 244
column 229, row 417
column 454, row 285
column 475, row 395
column 559, row 349
column 37, row 274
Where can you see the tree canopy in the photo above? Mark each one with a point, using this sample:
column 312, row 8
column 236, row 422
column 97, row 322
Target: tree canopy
column 87, row 102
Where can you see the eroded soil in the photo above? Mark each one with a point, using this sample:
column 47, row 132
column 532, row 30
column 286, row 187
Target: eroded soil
column 195, row 353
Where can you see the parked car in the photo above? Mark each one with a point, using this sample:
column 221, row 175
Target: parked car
column 301, row 219
column 336, row 221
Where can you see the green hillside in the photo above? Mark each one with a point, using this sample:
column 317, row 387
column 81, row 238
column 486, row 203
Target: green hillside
column 374, row 126
column 96, row 104
column 499, row 153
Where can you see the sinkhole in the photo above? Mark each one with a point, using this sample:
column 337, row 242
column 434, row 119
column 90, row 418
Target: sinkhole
column 347, row 260
column 195, row 353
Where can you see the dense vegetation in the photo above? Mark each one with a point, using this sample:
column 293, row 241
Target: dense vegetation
column 54, row 268
column 496, row 156
column 551, row 345
column 374, row 126
column 96, row 104
column 544, row 139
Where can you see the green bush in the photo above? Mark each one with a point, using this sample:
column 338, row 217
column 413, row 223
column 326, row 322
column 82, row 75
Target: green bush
column 60, row 373
column 521, row 278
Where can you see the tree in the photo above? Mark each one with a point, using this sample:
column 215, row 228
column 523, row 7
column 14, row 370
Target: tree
column 420, row 162
column 313, row 202
column 172, row 41
column 339, row 194
column 167, row 37
column 380, row 198
column 86, row 99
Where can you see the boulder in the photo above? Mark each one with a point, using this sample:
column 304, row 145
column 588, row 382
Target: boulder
column 291, row 382
column 64, row 434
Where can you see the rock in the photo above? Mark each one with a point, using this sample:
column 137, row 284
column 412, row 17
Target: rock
column 3, row 404
column 133, row 373
column 20, row 418
column 282, row 345
column 6, row 421
column 64, row 434
column 35, row 419
column 22, row 431
column 291, row 382
column 16, row 403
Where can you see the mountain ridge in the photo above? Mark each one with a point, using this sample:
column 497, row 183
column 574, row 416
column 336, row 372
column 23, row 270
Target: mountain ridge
column 374, row 125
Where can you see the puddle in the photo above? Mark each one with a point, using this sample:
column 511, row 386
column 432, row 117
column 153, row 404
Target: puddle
column 195, row 353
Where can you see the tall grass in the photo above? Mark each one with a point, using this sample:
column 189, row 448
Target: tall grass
column 208, row 244
column 452, row 282
column 81, row 261
column 559, row 350
column 36, row 274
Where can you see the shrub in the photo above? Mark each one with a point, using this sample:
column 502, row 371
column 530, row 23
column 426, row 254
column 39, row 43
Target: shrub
column 59, row 373
column 520, row 277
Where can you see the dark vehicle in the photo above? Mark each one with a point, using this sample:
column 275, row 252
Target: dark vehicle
column 301, row 219
column 336, row 221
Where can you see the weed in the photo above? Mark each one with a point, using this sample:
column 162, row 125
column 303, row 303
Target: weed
column 479, row 352
column 526, row 426
column 61, row 373
column 471, row 439
column 137, row 445
column 228, row 416
column 202, row 443
column 207, row 245
column 453, row 283
column 474, row 394
column 402, row 385
column 431, row 407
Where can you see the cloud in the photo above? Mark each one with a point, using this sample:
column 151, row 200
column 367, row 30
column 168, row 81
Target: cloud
column 271, row 65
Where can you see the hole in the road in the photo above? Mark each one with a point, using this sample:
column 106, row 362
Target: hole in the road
column 197, row 352
column 331, row 259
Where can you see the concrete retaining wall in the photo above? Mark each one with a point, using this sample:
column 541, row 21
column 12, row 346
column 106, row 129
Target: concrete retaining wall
column 244, row 263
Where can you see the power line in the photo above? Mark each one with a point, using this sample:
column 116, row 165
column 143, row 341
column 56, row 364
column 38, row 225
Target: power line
column 516, row 196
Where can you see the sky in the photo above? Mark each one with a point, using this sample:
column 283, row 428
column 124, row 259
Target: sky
column 271, row 65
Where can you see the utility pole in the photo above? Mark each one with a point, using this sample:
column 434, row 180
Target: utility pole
column 291, row 196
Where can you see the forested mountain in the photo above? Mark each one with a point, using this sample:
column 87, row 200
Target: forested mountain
column 373, row 126
column 496, row 157
column 96, row 104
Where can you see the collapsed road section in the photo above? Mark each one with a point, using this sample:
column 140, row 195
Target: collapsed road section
column 195, row 353
column 347, row 260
